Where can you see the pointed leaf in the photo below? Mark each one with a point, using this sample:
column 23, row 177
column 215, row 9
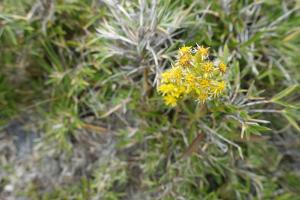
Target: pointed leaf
column 284, row 93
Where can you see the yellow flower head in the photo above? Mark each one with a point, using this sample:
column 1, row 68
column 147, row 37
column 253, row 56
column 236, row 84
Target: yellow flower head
column 185, row 60
column 208, row 67
column 166, row 76
column 170, row 100
column 185, row 50
column 202, row 52
column 179, row 91
column 166, row 88
column 177, row 73
column 202, row 97
column 218, row 88
column 222, row 67
column 192, row 76
column 172, row 75
column 191, row 81
column 204, row 83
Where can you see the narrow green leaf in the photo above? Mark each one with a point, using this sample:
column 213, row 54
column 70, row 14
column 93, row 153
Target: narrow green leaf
column 255, row 38
column 226, row 53
column 284, row 93
column 11, row 35
column 291, row 121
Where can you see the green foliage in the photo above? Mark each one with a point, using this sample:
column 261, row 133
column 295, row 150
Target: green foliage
column 90, row 69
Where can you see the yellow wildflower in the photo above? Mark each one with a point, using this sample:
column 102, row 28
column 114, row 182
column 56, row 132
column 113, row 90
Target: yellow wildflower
column 185, row 50
column 204, row 83
column 185, row 60
column 180, row 90
column 172, row 75
column 166, row 88
column 166, row 76
column 176, row 92
column 170, row 100
column 192, row 75
column 177, row 73
column 191, row 81
column 208, row 67
column 202, row 97
column 222, row 67
column 202, row 52
column 218, row 88
column 190, row 78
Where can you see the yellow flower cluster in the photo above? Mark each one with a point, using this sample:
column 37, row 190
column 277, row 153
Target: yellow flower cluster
column 194, row 75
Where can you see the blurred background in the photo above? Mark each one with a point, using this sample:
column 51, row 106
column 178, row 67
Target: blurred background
column 81, row 118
